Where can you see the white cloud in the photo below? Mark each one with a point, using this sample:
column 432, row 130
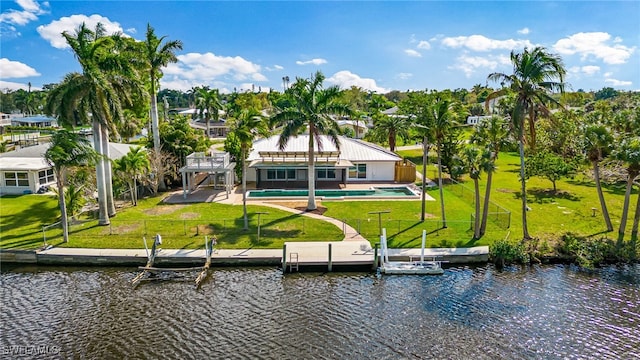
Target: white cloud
column 412, row 53
column 483, row 43
column 608, row 74
column 195, row 69
column 53, row 31
column 316, row 61
column 131, row 31
column 30, row 11
column 469, row 64
column 524, row 31
column 404, row 76
column 346, row 79
column 9, row 85
column 15, row 69
column 278, row 67
column 594, row 44
column 587, row 69
column 619, row 83
column 423, row 44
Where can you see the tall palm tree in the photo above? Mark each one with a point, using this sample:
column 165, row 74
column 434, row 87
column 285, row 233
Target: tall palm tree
column 537, row 74
column 628, row 152
column 208, row 104
column 389, row 128
column 131, row 167
column 442, row 113
column 476, row 160
column 491, row 134
column 310, row 111
column 67, row 149
column 108, row 83
column 248, row 126
column 157, row 56
column 597, row 141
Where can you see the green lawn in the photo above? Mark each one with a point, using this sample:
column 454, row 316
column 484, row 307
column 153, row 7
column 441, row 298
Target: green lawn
column 181, row 226
column 185, row 225
column 570, row 209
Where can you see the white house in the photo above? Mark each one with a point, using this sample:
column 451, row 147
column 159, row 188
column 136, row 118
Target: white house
column 25, row 170
column 353, row 161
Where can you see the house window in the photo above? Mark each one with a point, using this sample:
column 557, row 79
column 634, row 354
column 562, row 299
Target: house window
column 45, row 176
column 16, row 179
column 324, row 174
column 359, row 171
column 281, row 174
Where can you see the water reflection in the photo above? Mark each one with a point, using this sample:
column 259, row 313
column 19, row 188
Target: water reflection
column 539, row 312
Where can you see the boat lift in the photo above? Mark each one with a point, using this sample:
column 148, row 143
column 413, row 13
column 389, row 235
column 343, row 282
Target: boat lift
column 421, row 267
column 149, row 272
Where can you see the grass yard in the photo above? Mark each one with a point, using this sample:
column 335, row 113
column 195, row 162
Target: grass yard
column 182, row 226
column 569, row 210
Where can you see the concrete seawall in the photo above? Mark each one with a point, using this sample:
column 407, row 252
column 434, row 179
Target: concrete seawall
column 223, row 257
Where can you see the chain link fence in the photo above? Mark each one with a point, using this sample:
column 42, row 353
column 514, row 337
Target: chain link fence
column 496, row 213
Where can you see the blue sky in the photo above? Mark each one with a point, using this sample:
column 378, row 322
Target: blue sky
column 379, row 46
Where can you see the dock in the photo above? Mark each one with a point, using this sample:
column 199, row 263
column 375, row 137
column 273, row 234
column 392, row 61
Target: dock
column 311, row 255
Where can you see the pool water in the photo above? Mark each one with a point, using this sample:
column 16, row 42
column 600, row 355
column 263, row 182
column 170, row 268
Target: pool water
column 401, row 191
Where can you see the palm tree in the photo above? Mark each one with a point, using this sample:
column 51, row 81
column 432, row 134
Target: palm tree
column 536, row 75
column 108, row 83
column 475, row 160
column 67, row 149
column 248, row 126
column 441, row 111
column 491, row 134
column 131, row 166
column 311, row 110
column 597, row 141
column 628, row 152
column 388, row 128
column 208, row 104
column 157, row 56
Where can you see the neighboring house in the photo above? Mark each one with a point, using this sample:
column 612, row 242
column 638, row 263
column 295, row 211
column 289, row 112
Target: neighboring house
column 356, row 161
column 34, row 121
column 475, row 120
column 217, row 128
column 25, row 171
column 359, row 127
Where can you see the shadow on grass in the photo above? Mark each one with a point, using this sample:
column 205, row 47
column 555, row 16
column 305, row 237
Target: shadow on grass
column 546, row 196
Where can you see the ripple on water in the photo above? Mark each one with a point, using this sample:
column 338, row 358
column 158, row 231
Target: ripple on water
column 538, row 312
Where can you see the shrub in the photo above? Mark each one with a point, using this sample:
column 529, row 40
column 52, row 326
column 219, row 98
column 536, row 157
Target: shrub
column 504, row 253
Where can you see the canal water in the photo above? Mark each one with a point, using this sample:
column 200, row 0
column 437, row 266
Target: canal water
column 541, row 312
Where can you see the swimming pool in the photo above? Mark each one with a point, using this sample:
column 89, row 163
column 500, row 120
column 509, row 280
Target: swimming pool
column 374, row 192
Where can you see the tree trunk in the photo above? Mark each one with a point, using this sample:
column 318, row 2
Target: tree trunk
column 525, row 229
column 63, row 206
column 444, row 217
column 108, row 178
column 425, row 158
column 476, row 224
column 485, row 207
column 244, row 192
column 636, row 220
column 603, row 204
column 103, row 217
column 311, row 203
column 625, row 206
column 208, row 127
column 155, row 128
column 134, row 192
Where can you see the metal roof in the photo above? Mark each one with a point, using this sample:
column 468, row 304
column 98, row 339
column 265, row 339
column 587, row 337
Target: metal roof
column 353, row 150
column 32, row 157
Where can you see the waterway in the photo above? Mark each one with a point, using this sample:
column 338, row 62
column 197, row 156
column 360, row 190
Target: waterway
column 541, row 312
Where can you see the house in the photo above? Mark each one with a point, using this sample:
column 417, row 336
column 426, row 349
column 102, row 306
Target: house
column 475, row 120
column 25, row 171
column 359, row 127
column 217, row 129
column 34, row 121
column 355, row 161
